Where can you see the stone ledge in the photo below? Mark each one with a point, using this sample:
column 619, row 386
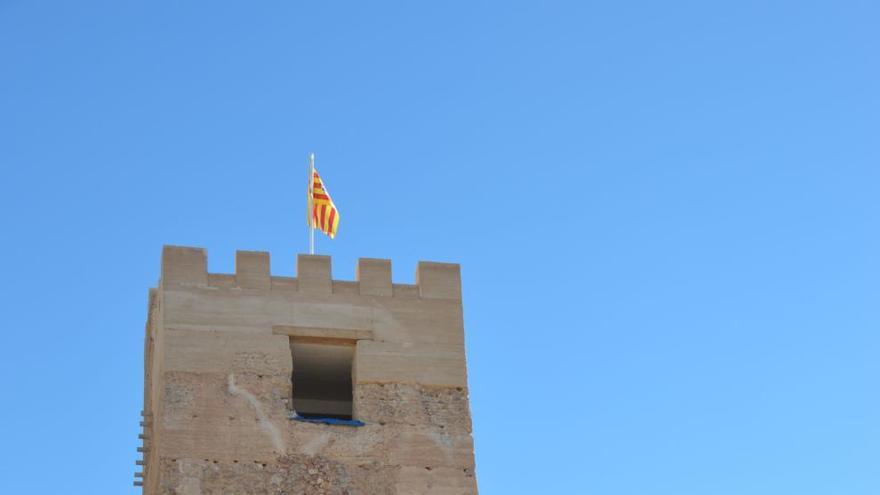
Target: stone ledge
column 320, row 335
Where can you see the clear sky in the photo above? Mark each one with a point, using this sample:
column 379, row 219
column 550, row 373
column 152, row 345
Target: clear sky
column 666, row 215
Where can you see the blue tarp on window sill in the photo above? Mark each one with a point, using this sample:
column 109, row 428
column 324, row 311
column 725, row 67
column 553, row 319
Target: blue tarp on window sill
column 327, row 421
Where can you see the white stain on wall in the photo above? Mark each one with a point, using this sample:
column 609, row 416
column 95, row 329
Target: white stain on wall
column 262, row 419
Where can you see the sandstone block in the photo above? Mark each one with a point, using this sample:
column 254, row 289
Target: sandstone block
column 313, row 274
column 438, row 280
column 422, row 364
column 184, row 266
column 252, row 270
column 374, row 277
column 428, row 480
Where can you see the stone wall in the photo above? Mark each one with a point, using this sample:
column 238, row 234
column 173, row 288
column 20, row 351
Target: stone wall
column 218, row 383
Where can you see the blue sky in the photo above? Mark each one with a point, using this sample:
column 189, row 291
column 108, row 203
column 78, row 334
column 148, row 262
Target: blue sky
column 666, row 215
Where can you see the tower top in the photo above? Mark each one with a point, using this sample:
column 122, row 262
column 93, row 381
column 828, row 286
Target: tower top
column 244, row 370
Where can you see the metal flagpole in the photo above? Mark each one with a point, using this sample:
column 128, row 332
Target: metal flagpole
column 310, row 213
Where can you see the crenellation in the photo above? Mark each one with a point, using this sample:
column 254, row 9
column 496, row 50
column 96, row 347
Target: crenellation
column 374, row 277
column 313, row 274
column 184, row 266
column 438, row 280
column 252, row 270
column 187, row 266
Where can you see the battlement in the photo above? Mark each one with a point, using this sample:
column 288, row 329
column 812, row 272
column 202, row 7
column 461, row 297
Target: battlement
column 188, row 266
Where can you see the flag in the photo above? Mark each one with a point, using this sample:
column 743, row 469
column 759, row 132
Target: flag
column 322, row 212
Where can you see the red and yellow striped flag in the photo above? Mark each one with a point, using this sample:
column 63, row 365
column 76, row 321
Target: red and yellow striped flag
column 322, row 212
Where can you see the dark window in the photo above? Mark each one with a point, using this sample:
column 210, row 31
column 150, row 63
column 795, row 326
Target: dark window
column 322, row 378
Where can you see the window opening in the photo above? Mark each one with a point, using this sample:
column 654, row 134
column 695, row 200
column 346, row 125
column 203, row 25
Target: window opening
column 322, row 383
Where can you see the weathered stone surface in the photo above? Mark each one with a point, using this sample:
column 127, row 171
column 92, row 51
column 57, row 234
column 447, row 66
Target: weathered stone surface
column 184, row 265
column 219, row 362
column 408, row 362
column 252, row 270
column 374, row 277
column 390, row 319
column 438, row 280
column 225, row 352
column 313, row 273
column 415, row 480
column 445, row 408
column 291, row 475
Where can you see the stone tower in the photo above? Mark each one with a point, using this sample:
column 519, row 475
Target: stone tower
column 243, row 371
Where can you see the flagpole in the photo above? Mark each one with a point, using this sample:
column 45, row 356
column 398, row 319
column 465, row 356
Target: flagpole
column 309, row 213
